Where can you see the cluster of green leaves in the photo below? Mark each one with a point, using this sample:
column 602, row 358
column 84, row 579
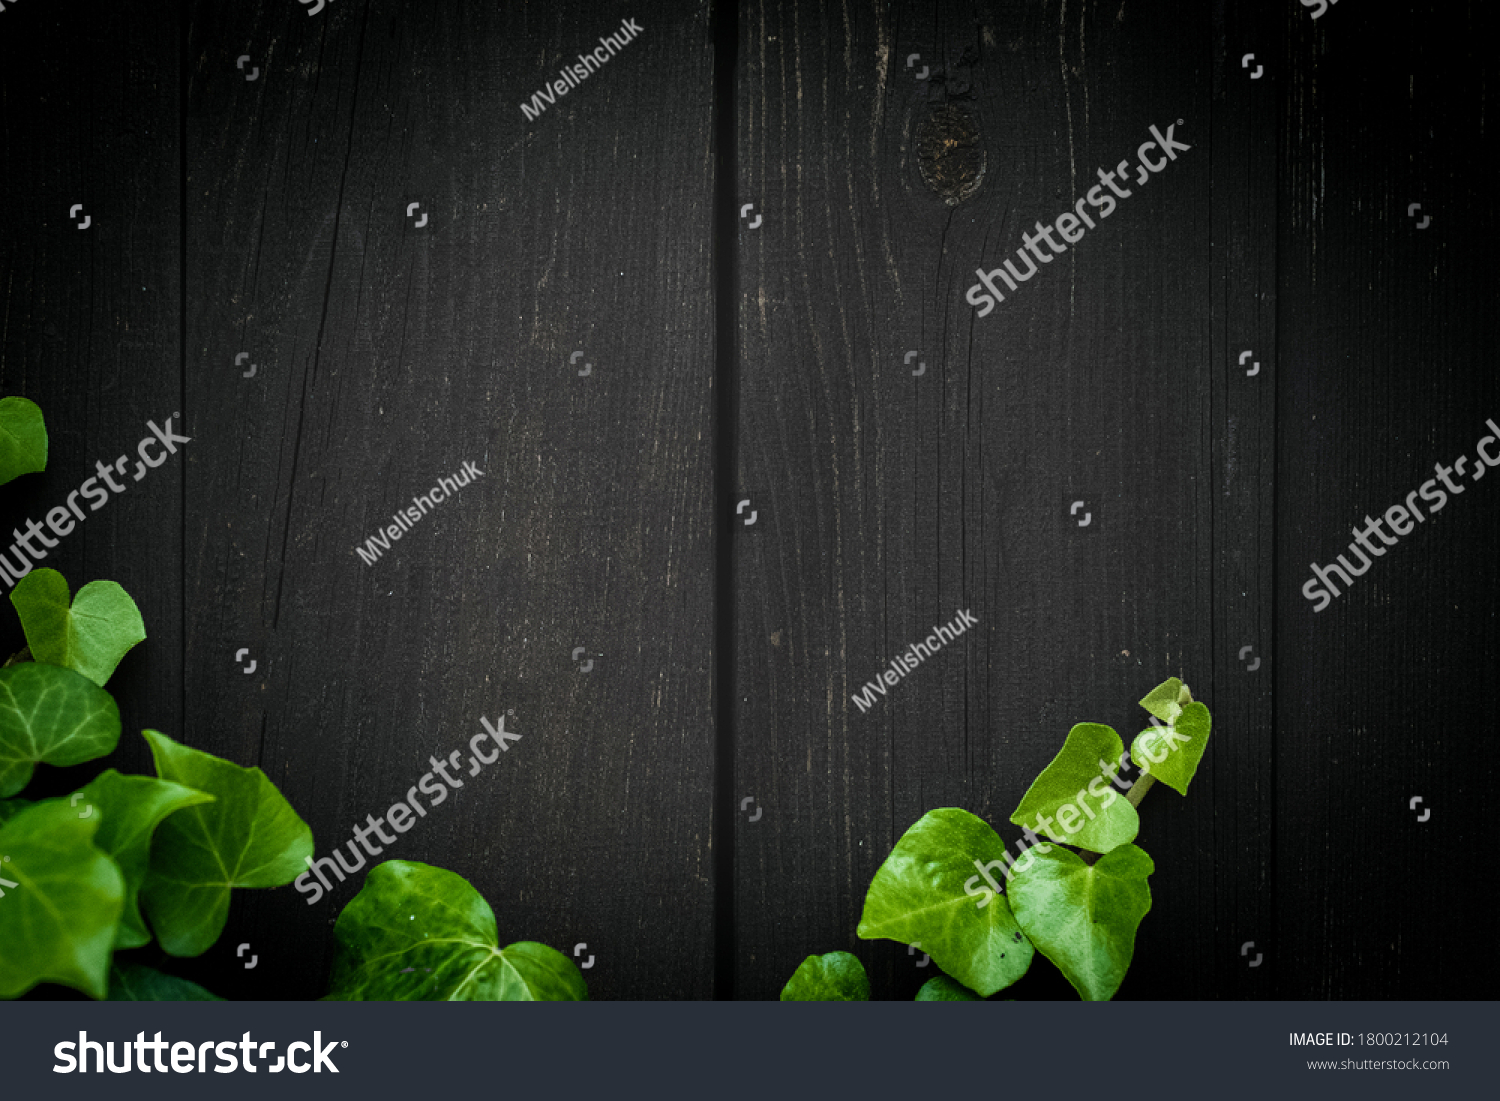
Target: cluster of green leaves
column 84, row 876
column 1081, row 913
column 92, row 869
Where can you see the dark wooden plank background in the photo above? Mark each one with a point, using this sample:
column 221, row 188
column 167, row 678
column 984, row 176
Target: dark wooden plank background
column 1387, row 342
column 394, row 353
column 89, row 325
column 269, row 217
column 896, row 500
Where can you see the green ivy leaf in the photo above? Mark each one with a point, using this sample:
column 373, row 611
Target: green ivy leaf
column 1164, row 701
column 23, row 439
column 9, row 808
column 62, row 901
column 831, row 977
column 249, row 837
column 419, row 933
column 1171, row 753
column 1083, row 918
column 940, row 988
column 90, row 635
column 135, row 982
column 53, row 715
column 929, row 891
column 133, row 806
column 1097, row 817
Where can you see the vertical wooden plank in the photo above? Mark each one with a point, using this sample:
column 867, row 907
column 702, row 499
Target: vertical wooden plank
column 889, row 501
column 1387, row 334
column 1249, row 64
column 395, row 344
column 89, row 320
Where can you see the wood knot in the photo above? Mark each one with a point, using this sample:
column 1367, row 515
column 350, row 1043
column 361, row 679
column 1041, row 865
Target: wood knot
column 948, row 153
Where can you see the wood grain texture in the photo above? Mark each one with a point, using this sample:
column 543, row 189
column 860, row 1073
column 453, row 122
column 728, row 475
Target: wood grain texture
column 891, row 501
column 896, row 500
column 89, row 320
column 1239, row 786
column 1387, row 338
column 390, row 355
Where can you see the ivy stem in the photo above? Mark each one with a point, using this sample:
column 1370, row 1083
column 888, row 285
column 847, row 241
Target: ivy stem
column 1138, row 790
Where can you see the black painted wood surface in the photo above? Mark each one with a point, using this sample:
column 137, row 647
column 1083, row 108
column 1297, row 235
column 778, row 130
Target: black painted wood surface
column 399, row 343
column 269, row 217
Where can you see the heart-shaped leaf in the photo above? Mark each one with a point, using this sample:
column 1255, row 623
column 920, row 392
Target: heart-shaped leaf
column 1171, row 753
column 832, row 977
column 928, row 892
column 90, row 635
column 61, row 901
column 9, row 808
column 1083, row 918
column 23, row 439
column 248, row 837
column 419, row 933
column 135, row 982
column 1165, row 700
column 1072, row 801
column 52, row 715
column 940, row 988
column 133, row 806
